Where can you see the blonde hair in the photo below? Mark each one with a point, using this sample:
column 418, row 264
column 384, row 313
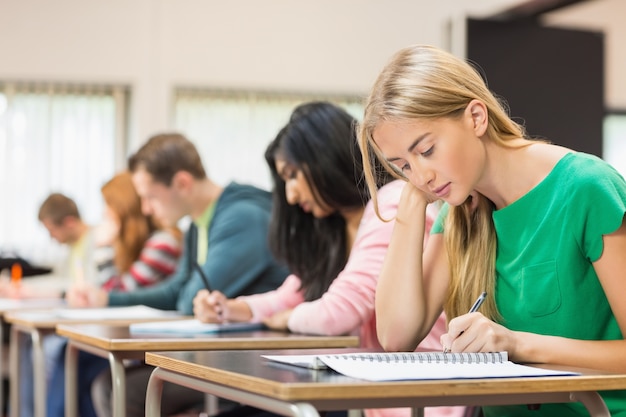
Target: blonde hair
column 423, row 82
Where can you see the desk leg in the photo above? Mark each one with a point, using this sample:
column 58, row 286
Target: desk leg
column 211, row 404
column 155, row 389
column 71, row 380
column 39, row 366
column 14, row 371
column 417, row 412
column 118, row 379
column 593, row 402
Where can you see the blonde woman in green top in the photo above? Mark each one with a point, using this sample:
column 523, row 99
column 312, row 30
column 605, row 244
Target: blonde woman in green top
column 539, row 227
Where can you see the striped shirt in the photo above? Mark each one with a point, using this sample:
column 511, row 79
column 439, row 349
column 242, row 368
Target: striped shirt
column 157, row 260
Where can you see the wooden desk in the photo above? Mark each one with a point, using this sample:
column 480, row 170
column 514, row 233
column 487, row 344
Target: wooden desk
column 8, row 305
column 36, row 324
column 247, row 378
column 116, row 343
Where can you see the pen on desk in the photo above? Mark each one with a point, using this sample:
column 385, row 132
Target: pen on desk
column 479, row 301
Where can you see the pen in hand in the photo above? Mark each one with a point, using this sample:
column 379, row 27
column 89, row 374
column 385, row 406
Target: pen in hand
column 207, row 285
column 479, row 301
column 203, row 276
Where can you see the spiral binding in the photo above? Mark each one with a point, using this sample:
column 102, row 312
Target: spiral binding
column 427, row 357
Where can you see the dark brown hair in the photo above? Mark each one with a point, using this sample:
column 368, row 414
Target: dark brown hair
column 163, row 155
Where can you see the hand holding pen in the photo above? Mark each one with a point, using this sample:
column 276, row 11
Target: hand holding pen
column 208, row 305
column 479, row 301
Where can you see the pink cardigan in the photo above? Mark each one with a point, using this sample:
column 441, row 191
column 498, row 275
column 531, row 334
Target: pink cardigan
column 348, row 305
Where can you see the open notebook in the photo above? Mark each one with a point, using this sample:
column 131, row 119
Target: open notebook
column 387, row 366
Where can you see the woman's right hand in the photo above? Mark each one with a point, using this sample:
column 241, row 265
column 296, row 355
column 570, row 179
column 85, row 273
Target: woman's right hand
column 413, row 195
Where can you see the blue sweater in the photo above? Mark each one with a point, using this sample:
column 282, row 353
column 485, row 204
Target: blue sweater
column 238, row 261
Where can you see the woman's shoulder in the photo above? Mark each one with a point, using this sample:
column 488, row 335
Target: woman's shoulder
column 578, row 169
column 557, row 158
column 391, row 191
column 387, row 199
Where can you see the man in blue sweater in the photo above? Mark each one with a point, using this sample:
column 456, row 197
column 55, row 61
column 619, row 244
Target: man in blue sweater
column 227, row 239
column 228, row 235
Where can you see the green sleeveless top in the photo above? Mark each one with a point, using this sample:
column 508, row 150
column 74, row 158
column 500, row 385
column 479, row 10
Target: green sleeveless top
column 545, row 280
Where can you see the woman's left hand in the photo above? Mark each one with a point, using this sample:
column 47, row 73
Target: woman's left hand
column 279, row 320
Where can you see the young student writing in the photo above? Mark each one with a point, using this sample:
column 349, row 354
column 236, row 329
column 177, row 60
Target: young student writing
column 539, row 227
column 227, row 239
column 325, row 229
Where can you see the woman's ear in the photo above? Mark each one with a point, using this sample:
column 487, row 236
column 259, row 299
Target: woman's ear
column 477, row 111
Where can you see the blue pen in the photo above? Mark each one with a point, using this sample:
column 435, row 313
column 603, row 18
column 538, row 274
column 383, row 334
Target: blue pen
column 479, row 301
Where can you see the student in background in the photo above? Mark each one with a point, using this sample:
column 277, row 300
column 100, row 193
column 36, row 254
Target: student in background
column 227, row 239
column 84, row 262
column 539, row 227
column 87, row 256
column 325, row 229
column 60, row 216
column 145, row 253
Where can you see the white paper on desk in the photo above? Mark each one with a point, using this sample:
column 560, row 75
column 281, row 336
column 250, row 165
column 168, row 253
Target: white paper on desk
column 29, row 303
column 397, row 371
column 396, row 366
column 191, row 326
column 139, row 312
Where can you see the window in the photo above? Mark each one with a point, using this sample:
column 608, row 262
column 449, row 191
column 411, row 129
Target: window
column 232, row 129
column 54, row 138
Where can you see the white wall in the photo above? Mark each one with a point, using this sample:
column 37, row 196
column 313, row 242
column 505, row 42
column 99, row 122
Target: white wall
column 306, row 45
column 320, row 45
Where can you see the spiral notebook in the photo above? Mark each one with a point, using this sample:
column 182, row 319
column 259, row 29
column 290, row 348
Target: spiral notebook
column 396, row 366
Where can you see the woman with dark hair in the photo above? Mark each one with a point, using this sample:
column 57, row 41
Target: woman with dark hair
column 327, row 232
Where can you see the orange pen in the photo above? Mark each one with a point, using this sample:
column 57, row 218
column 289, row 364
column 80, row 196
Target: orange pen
column 16, row 274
